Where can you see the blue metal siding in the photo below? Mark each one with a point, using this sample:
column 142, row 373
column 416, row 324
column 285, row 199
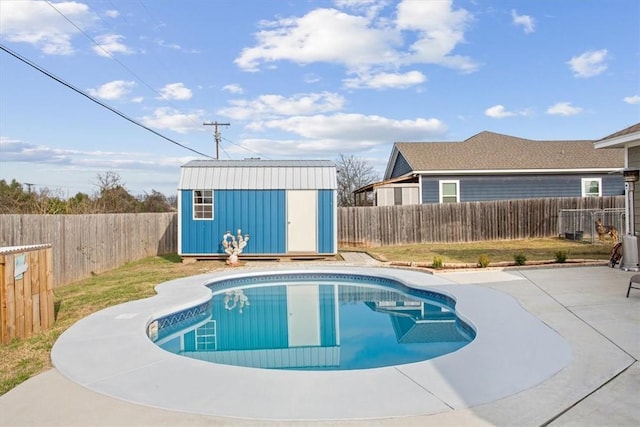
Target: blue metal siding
column 479, row 188
column 401, row 167
column 261, row 213
column 328, row 326
column 326, row 224
column 260, row 326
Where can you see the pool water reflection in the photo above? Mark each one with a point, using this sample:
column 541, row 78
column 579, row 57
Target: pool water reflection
column 317, row 326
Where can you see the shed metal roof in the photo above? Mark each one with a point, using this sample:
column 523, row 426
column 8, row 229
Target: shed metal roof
column 258, row 175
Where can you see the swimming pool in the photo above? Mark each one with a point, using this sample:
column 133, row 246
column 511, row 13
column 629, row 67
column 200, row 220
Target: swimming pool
column 110, row 352
column 314, row 322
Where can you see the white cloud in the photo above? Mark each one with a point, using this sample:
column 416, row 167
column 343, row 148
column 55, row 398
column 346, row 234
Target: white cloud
column 439, row 29
column 311, row 78
column 174, row 46
column 527, row 22
column 564, row 109
column 269, row 106
column 110, row 44
column 345, row 127
column 356, row 4
column 499, row 112
column 386, row 80
column 112, row 13
column 40, row 24
column 322, row 35
column 168, row 118
column 589, row 64
column 18, row 151
column 323, row 136
column 176, row 91
column 233, row 88
column 112, row 90
column 362, row 41
column 635, row 99
column 76, row 170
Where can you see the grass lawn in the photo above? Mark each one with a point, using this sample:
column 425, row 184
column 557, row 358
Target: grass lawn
column 24, row 358
column 496, row 251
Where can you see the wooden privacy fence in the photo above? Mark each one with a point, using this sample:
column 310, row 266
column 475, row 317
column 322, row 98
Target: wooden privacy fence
column 26, row 291
column 89, row 244
column 460, row 222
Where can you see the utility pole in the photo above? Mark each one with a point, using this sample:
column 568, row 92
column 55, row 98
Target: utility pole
column 29, row 186
column 216, row 134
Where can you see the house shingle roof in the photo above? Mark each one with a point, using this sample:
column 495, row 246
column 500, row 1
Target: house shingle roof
column 494, row 151
column 626, row 131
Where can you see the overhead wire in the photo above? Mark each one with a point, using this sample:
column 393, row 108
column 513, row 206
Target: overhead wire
column 97, row 101
column 137, row 77
column 107, row 53
column 245, row 148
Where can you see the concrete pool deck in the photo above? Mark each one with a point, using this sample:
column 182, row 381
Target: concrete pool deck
column 585, row 305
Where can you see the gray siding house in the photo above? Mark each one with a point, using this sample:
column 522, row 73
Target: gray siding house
column 628, row 140
column 493, row 166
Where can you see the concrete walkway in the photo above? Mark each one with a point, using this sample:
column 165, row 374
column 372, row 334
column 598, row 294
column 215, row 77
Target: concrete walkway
column 586, row 305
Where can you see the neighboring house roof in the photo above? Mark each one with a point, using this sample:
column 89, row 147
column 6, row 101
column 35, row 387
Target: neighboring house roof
column 258, row 175
column 411, row 179
column 621, row 138
column 494, row 152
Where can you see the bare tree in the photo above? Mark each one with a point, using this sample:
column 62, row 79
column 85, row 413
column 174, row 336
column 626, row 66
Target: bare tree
column 353, row 173
column 113, row 196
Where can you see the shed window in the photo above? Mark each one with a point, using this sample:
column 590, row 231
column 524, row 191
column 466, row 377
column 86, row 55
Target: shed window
column 206, row 337
column 591, row 187
column 449, row 191
column 202, row 204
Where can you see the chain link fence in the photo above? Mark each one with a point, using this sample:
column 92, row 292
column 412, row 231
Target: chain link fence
column 581, row 224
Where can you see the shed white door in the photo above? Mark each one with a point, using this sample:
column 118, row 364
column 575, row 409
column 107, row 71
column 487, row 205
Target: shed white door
column 303, row 306
column 302, row 229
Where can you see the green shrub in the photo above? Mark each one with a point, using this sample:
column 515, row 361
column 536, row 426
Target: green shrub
column 483, row 261
column 561, row 256
column 520, row 259
column 437, row 262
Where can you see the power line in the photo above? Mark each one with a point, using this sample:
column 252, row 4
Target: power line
column 106, row 52
column 97, row 101
column 245, row 148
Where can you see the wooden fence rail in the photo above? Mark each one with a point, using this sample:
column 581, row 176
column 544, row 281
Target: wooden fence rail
column 459, row 222
column 87, row 244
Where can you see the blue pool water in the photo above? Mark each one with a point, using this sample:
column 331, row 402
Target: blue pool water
column 315, row 322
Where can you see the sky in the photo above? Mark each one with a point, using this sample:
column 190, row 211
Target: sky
column 125, row 86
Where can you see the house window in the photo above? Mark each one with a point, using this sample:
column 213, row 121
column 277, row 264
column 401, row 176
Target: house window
column 591, row 187
column 202, row 204
column 397, row 196
column 449, row 191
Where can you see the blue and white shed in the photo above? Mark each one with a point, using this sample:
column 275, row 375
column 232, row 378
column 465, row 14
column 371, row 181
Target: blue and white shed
column 288, row 207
